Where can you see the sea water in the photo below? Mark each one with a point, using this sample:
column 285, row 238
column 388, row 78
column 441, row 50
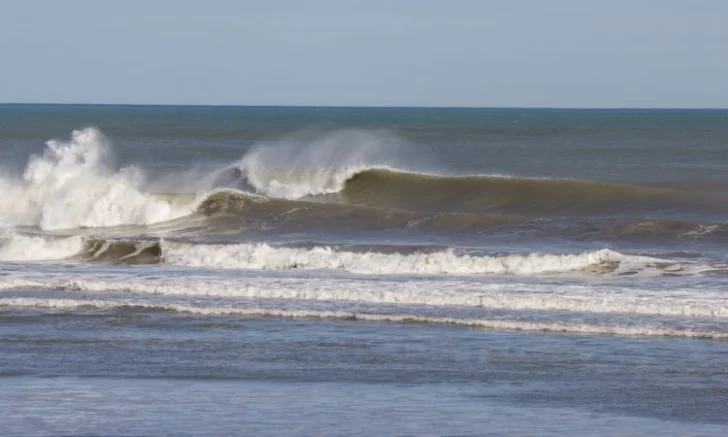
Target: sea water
column 362, row 271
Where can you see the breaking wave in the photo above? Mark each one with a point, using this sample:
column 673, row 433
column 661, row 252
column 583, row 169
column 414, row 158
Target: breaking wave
column 267, row 214
column 262, row 256
column 315, row 163
column 346, row 178
column 73, row 184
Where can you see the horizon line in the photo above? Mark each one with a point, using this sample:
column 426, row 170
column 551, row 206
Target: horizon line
column 309, row 106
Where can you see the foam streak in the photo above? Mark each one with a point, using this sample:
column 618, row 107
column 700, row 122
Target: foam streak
column 511, row 325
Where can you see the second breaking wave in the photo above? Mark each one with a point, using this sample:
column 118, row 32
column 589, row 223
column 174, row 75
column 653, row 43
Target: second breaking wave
column 358, row 260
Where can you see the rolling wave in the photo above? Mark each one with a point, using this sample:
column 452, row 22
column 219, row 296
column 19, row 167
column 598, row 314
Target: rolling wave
column 72, row 186
column 271, row 214
column 387, row 188
column 365, row 169
column 391, row 188
column 366, row 260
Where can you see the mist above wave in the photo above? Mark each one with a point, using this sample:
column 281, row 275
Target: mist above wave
column 313, row 163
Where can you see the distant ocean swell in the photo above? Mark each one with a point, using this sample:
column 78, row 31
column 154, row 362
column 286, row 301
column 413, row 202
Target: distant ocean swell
column 397, row 189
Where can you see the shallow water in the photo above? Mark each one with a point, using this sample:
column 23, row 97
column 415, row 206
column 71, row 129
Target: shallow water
column 137, row 372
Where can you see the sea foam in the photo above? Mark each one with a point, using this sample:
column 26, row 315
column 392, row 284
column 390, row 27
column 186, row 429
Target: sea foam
column 19, row 247
column 446, row 262
column 73, row 184
column 512, row 296
column 397, row 317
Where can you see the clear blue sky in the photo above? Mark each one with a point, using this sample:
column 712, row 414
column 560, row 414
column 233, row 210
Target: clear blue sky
column 523, row 53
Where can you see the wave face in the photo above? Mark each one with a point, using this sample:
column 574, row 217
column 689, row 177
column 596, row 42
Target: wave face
column 390, row 188
column 420, row 192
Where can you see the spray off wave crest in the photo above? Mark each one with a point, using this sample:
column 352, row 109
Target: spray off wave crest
column 514, row 195
column 73, row 185
column 233, row 209
column 315, row 163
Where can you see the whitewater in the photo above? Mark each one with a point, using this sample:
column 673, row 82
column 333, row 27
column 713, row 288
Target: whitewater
column 73, row 205
column 547, row 263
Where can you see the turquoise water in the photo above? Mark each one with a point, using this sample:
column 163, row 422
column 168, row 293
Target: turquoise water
column 352, row 271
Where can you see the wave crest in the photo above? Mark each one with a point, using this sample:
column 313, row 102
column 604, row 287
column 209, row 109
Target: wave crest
column 315, row 163
column 73, row 184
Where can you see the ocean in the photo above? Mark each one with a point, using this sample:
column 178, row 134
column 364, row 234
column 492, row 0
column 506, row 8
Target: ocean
column 301, row 271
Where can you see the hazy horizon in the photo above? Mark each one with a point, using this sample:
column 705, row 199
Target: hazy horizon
column 232, row 105
column 324, row 53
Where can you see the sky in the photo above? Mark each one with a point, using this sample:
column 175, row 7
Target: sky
column 471, row 53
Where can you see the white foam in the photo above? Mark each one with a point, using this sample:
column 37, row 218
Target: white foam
column 294, row 184
column 74, row 185
column 19, row 247
column 434, row 293
column 266, row 257
column 496, row 324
